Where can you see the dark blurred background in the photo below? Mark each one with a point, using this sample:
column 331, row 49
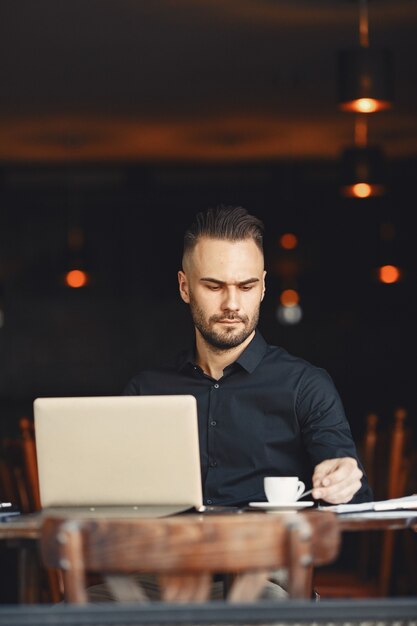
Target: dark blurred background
column 120, row 120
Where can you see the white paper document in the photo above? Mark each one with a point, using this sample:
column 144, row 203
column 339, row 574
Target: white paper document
column 395, row 504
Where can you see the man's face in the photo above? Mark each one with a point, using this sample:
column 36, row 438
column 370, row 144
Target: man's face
column 224, row 283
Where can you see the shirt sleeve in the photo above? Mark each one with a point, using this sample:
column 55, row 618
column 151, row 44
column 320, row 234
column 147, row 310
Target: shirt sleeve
column 324, row 428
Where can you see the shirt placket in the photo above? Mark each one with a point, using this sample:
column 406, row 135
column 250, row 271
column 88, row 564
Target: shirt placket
column 212, row 429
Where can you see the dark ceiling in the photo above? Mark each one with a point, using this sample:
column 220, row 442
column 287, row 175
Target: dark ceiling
column 123, row 118
column 201, row 79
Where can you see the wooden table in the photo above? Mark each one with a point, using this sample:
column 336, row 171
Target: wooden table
column 28, row 526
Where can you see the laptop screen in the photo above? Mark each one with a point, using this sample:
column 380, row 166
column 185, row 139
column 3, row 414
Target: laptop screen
column 118, row 451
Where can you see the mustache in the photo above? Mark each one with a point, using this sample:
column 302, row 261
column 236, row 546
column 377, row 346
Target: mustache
column 229, row 317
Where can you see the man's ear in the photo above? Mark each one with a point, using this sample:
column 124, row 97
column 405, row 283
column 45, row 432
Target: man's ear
column 263, row 286
column 183, row 286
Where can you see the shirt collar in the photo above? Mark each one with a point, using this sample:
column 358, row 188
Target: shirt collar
column 249, row 359
column 253, row 353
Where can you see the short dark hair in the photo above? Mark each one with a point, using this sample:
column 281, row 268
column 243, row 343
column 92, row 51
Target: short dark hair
column 224, row 222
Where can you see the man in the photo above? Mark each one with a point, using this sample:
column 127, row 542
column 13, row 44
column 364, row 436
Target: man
column 261, row 411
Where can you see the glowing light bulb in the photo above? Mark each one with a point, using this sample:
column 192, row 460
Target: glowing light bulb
column 366, row 105
column 289, row 297
column 76, row 279
column 362, row 190
column 288, row 241
column 389, row 274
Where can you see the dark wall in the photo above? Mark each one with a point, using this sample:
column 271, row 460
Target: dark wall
column 58, row 341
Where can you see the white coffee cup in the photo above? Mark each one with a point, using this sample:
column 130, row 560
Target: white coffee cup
column 283, row 488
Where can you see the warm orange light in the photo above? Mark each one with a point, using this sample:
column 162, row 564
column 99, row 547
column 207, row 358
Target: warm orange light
column 362, row 190
column 76, row 279
column 289, row 297
column 400, row 413
column 389, row 274
column 365, row 105
column 288, row 241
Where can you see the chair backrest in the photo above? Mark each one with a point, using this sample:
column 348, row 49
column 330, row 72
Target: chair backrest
column 7, row 483
column 369, row 447
column 384, row 456
column 14, row 487
column 388, row 466
column 30, row 461
column 186, row 551
column 397, row 464
column 396, row 485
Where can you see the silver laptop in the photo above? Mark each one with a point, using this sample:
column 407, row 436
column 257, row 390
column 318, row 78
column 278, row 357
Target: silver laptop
column 118, row 455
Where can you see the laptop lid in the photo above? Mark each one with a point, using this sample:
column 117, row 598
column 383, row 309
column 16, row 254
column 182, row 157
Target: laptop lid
column 118, row 451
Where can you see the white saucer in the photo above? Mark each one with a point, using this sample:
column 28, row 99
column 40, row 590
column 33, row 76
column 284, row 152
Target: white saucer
column 281, row 506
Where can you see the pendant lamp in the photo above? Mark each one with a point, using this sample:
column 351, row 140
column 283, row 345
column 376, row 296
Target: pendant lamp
column 365, row 73
column 362, row 172
column 362, row 165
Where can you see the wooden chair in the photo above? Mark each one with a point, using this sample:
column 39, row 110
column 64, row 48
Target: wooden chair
column 185, row 551
column 13, row 485
column 35, row 584
column 30, row 462
column 18, row 469
column 385, row 465
column 397, row 478
column 406, row 543
column 7, row 487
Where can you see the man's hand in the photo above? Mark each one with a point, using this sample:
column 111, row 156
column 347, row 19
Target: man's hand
column 336, row 480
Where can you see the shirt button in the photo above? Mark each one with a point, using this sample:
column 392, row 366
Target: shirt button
column 213, row 423
column 216, row 385
column 209, row 501
column 213, row 464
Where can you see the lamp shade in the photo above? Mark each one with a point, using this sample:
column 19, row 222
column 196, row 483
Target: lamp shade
column 363, row 172
column 365, row 77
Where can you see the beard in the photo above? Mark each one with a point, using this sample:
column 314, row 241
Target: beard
column 228, row 337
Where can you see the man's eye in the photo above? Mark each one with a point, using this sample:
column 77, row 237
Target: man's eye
column 246, row 287
column 213, row 287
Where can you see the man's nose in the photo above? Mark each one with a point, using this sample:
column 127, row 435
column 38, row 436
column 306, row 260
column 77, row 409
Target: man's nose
column 231, row 300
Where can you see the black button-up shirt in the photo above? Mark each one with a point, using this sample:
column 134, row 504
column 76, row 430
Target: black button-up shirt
column 271, row 414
